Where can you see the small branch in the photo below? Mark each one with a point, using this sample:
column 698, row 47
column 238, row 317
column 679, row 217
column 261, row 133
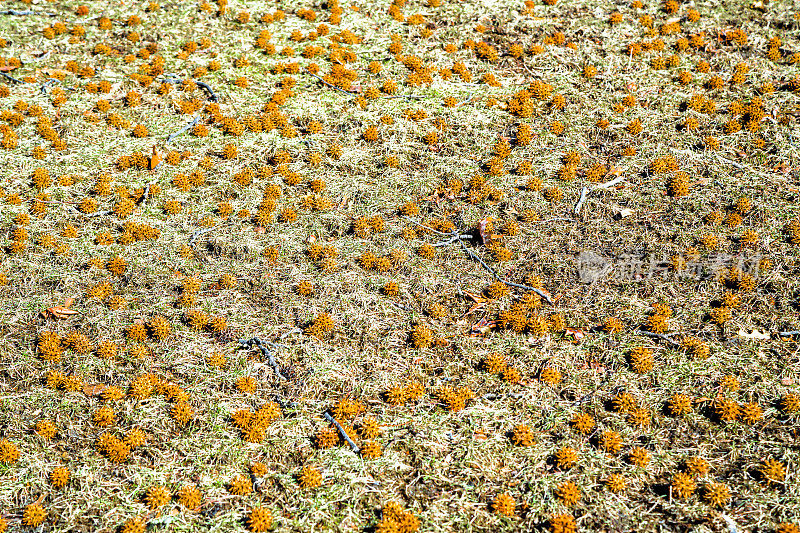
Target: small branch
column 332, row 86
column 200, row 232
column 494, row 273
column 499, row 396
column 211, row 95
column 50, row 82
column 586, row 190
column 426, row 227
column 460, row 238
column 788, row 333
column 608, row 184
column 652, row 335
column 248, row 345
column 146, row 194
column 410, row 96
column 453, row 239
column 192, row 124
column 557, row 219
column 584, row 194
column 28, row 12
column 12, row 78
column 342, row 432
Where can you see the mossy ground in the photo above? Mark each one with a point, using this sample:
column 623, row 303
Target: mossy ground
column 446, row 467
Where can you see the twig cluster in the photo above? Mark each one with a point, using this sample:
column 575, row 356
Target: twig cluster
column 455, row 236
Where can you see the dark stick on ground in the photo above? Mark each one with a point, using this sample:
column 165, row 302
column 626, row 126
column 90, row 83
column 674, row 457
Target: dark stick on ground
column 12, row 78
column 652, row 335
column 188, row 126
column 17, row 13
column 460, row 238
column 260, row 345
column 342, row 432
column 211, row 94
column 332, row 86
column 494, row 273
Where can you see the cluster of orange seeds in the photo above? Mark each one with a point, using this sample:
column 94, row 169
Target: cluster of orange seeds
column 253, row 424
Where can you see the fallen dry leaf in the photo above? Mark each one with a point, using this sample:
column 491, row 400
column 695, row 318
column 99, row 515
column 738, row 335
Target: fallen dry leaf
column 94, row 390
column 622, row 213
column 754, row 334
column 483, row 226
column 155, row 159
column 477, row 298
column 58, row 312
column 482, row 327
column 576, row 334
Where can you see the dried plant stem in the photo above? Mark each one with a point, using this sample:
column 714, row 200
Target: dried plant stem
column 586, row 190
